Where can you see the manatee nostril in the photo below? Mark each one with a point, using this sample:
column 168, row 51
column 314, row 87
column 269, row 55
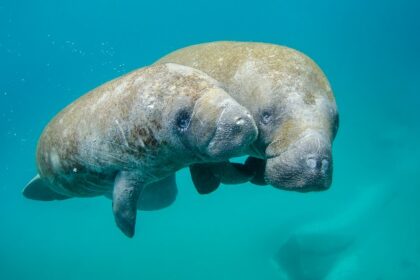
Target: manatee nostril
column 239, row 121
column 311, row 162
column 325, row 164
column 318, row 164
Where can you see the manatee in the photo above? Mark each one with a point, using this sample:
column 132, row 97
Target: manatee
column 133, row 133
column 330, row 248
column 291, row 102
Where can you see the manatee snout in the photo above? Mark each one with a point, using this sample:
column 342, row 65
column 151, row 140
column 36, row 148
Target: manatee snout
column 304, row 166
column 235, row 130
column 220, row 127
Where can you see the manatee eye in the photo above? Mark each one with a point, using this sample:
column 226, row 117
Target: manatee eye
column 183, row 120
column 266, row 117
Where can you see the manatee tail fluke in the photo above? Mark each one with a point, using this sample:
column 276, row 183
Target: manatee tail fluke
column 38, row 189
column 127, row 189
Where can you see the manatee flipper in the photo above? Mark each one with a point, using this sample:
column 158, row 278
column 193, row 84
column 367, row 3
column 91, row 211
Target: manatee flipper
column 232, row 173
column 208, row 176
column 203, row 178
column 38, row 189
column 258, row 166
column 158, row 195
column 127, row 189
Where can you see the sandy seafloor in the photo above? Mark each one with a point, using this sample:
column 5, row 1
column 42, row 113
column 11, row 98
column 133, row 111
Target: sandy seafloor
column 51, row 52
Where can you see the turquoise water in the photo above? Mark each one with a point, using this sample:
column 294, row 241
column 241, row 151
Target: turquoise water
column 51, row 52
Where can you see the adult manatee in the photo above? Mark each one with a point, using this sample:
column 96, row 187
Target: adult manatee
column 292, row 103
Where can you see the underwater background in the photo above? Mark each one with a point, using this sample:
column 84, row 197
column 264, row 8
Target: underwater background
column 51, row 52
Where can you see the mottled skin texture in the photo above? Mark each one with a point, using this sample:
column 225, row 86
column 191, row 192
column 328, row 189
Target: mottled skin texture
column 139, row 129
column 290, row 99
column 122, row 125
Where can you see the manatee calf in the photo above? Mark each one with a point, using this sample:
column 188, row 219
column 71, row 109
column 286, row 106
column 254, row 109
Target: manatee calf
column 292, row 103
column 134, row 133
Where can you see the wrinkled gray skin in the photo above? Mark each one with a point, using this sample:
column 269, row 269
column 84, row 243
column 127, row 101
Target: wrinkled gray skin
column 132, row 134
column 289, row 98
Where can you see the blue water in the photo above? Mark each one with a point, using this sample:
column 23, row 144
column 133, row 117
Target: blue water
column 51, row 52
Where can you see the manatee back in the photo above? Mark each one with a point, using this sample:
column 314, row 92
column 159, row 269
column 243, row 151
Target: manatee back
column 247, row 68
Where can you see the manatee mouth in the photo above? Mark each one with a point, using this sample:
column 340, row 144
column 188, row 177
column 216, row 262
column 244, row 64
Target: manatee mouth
column 305, row 166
